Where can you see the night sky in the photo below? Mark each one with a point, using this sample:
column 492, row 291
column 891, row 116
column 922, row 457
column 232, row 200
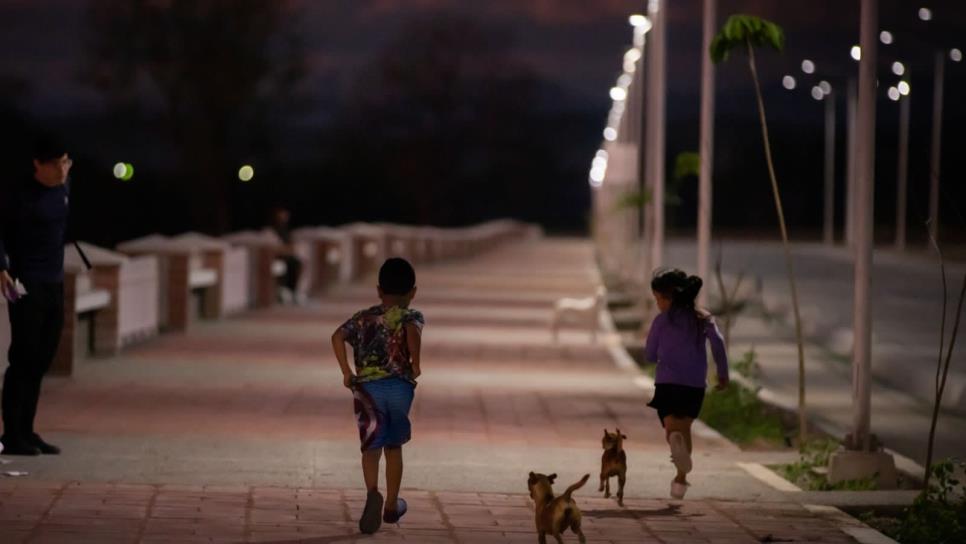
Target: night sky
column 576, row 47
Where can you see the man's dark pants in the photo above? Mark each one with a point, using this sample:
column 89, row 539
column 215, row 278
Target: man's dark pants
column 36, row 321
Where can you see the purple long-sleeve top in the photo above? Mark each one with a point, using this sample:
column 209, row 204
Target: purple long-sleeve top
column 679, row 350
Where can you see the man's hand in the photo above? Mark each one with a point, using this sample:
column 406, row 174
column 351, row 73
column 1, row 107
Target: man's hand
column 6, row 283
column 723, row 383
column 347, row 380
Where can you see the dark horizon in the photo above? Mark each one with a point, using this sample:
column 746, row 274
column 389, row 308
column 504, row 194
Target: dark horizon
column 568, row 55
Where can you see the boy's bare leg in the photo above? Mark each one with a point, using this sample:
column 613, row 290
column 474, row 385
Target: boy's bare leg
column 394, row 470
column 370, row 467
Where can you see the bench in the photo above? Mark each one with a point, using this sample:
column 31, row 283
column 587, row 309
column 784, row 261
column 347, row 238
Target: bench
column 188, row 266
column 329, row 256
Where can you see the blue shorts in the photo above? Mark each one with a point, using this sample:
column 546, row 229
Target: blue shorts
column 382, row 412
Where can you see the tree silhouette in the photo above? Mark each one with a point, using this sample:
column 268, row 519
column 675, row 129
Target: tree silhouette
column 446, row 125
column 214, row 69
column 746, row 32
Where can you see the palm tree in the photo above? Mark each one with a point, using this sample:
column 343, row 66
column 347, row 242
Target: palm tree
column 748, row 32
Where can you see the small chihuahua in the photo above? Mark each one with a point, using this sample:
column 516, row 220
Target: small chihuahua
column 555, row 514
column 613, row 463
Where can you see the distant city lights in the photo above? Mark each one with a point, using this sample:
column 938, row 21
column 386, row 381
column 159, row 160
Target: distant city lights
column 817, row 93
column 789, row 82
column 808, row 66
column 885, row 37
column 898, row 68
column 618, row 93
column 825, row 86
column 955, row 55
column 904, row 88
column 925, row 14
column 856, row 52
column 894, row 94
column 610, row 134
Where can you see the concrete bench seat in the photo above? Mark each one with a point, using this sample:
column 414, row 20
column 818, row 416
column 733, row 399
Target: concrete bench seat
column 93, row 300
column 264, row 250
column 329, row 254
column 186, row 265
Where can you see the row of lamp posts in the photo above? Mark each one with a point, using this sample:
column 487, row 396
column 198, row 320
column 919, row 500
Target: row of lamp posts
column 647, row 124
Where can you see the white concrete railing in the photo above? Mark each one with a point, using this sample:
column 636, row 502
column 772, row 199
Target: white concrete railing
column 141, row 297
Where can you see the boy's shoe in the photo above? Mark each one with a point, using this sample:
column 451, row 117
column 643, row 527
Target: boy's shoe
column 678, row 489
column 393, row 516
column 370, row 521
column 679, row 453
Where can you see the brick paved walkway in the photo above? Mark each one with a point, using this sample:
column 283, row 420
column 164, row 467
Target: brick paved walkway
column 108, row 513
column 240, row 430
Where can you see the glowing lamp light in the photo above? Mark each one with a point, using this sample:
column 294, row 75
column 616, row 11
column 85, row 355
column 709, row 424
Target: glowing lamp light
column 246, row 173
column 898, row 68
column 119, row 170
column 925, row 14
column 598, row 162
column 618, row 93
column 808, row 66
column 640, row 22
column 856, row 52
column 826, row 87
column 955, row 55
column 894, row 94
column 602, row 154
column 610, row 134
column 817, row 93
column 788, row 82
column 904, row 88
column 885, row 37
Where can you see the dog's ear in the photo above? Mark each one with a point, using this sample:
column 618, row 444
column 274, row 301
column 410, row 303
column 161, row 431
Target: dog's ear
column 552, row 477
column 624, row 436
column 605, row 433
column 532, row 475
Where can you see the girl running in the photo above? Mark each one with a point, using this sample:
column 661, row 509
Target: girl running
column 676, row 342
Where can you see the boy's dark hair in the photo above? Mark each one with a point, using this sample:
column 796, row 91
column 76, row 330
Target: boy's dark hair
column 47, row 148
column 396, row 276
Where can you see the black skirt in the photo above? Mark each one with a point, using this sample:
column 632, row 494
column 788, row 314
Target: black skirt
column 671, row 399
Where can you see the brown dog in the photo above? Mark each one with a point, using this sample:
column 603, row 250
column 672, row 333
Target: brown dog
column 555, row 514
column 613, row 463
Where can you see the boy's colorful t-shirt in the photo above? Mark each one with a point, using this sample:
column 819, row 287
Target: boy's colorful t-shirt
column 378, row 339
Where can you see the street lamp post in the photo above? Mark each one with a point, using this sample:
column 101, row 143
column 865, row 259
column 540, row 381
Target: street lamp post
column 863, row 229
column 828, row 222
column 935, row 152
column 902, row 171
column 823, row 91
column 654, row 152
column 706, row 149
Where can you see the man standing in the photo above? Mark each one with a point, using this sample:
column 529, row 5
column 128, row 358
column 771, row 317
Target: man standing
column 33, row 223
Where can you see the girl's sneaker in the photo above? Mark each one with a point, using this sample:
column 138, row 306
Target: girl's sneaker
column 393, row 516
column 369, row 522
column 679, row 453
column 678, row 489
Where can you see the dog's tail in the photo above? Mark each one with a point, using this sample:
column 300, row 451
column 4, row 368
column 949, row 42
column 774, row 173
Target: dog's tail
column 576, row 486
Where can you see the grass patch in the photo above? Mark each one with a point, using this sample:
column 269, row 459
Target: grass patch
column 738, row 413
column 742, row 417
column 937, row 515
column 808, row 472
